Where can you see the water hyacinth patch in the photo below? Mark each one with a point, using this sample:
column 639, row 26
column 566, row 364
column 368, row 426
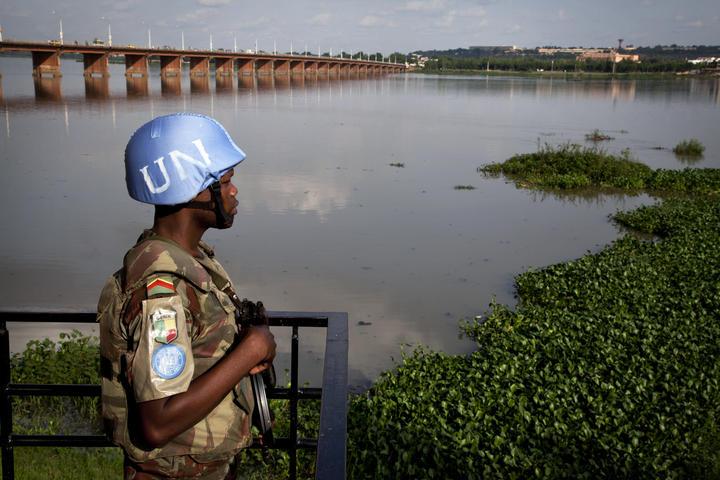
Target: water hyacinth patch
column 609, row 367
column 689, row 148
column 571, row 166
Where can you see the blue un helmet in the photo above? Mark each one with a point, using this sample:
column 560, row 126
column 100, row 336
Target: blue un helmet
column 172, row 158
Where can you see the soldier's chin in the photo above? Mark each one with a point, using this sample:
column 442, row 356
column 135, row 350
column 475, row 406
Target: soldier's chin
column 227, row 224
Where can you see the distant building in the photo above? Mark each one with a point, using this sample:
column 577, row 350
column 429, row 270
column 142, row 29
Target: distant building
column 702, row 60
column 611, row 56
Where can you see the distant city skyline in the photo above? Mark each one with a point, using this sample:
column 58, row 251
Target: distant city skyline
column 370, row 26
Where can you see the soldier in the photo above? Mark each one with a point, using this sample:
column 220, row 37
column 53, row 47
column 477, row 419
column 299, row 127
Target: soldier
column 175, row 389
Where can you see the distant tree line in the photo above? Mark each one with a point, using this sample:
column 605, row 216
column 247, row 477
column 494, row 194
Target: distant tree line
column 532, row 64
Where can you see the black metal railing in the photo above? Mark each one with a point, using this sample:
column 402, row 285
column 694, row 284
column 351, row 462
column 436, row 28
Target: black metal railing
column 329, row 446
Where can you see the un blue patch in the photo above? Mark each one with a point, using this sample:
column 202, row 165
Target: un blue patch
column 168, row 361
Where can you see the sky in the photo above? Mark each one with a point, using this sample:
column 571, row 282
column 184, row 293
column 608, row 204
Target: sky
column 370, row 25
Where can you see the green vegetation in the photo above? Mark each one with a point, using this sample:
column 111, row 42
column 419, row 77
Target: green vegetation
column 545, row 64
column 598, row 136
column 398, row 165
column 464, row 187
column 689, row 148
column 43, row 463
column 571, row 166
column 609, row 367
column 274, row 464
column 73, row 359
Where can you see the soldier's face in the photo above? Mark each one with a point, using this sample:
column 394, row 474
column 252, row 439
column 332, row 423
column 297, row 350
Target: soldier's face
column 229, row 192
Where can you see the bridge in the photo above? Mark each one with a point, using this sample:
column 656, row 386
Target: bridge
column 96, row 58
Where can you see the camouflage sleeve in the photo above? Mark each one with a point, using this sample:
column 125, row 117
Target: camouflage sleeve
column 163, row 362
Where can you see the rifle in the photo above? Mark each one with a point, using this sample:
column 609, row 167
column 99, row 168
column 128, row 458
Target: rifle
column 247, row 314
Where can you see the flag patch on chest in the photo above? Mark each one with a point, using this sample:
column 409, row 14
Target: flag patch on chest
column 160, row 286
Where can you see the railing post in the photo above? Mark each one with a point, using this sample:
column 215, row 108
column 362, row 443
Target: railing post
column 8, row 462
column 294, row 402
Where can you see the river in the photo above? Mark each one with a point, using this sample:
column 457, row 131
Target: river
column 325, row 222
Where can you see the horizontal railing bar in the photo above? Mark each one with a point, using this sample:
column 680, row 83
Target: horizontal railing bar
column 89, row 390
column 102, row 441
column 283, row 443
column 278, row 319
column 60, row 441
column 56, row 389
column 303, row 393
column 34, row 316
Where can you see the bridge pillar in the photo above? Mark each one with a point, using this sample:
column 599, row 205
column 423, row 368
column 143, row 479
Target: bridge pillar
column 199, row 84
column 95, row 64
column 170, row 65
column 282, row 67
column 334, row 69
column 311, row 67
column 364, row 69
column 297, row 67
column 136, row 65
column 97, row 87
column 199, row 66
column 344, row 69
column 264, row 66
column 46, row 62
column 354, row 70
column 245, row 66
column 47, row 88
column 323, row 68
column 223, row 67
column 137, row 86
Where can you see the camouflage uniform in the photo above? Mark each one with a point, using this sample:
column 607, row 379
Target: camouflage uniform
column 164, row 320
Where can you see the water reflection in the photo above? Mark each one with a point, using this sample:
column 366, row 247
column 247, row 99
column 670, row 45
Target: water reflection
column 97, row 88
column 170, row 86
column 246, row 82
column 223, row 83
column 137, row 86
column 199, row 84
column 265, row 82
column 48, row 88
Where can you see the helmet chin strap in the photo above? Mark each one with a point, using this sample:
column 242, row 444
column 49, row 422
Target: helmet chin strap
column 222, row 218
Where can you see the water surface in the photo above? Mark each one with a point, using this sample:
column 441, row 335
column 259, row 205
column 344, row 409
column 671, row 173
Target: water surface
column 325, row 223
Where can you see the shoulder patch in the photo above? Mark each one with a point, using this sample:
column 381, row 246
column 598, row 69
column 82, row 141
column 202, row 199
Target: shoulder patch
column 168, row 361
column 160, row 286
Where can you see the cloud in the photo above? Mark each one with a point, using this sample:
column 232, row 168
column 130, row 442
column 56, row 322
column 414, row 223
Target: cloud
column 422, row 6
column 125, row 5
column 213, row 3
column 696, row 24
column 321, row 19
column 375, row 21
column 474, row 12
column 561, row 15
column 514, row 29
column 447, row 20
column 196, row 16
